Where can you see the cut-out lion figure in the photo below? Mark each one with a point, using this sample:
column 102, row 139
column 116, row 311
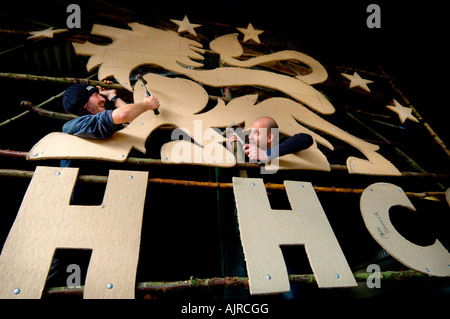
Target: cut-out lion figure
column 182, row 102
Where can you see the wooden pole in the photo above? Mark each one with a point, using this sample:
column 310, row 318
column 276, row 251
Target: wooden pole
column 40, row 111
column 151, row 161
column 14, row 118
column 60, row 80
column 214, row 185
column 227, row 282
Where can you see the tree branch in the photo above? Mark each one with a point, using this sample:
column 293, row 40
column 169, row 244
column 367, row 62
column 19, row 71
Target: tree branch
column 61, row 80
column 227, row 282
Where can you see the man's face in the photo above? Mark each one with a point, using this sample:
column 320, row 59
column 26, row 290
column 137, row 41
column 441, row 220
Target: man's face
column 95, row 104
column 260, row 136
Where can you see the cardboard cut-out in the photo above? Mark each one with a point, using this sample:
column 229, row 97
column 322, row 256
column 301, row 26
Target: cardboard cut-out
column 357, row 81
column 182, row 102
column 147, row 45
column 263, row 230
column 46, row 221
column 250, row 33
column 290, row 115
column 230, row 49
column 404, row 113
column 179, row 100
column 376, row 201
column 47, row 33
column 186, row 26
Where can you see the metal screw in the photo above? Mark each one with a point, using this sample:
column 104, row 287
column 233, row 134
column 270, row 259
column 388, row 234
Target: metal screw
column 428, row 270
column 130, row 177
column 110, row 286
column 269, row 277
column 16, row 291
column 122, row 156
column 165, row 157
column 337, row 276
column 301, row 186
column 35, row 154
column 253, row 184
column 58, row 173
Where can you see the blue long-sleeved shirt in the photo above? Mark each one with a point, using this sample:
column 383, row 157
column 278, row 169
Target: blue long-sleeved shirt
column 99, row 126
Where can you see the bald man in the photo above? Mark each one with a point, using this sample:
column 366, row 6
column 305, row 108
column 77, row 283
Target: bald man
column 264, row 141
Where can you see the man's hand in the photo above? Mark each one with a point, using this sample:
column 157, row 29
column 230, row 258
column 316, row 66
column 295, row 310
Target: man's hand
column 151, row 102
column 254, row 153
column 109, row 94
column 229, row 134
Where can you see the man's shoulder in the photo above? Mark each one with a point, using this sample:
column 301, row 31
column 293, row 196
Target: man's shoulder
column 96, row 126
column 71, row 126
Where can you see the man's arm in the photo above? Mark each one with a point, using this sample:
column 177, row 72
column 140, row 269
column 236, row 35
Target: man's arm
column 293, row 144
column 129, row 112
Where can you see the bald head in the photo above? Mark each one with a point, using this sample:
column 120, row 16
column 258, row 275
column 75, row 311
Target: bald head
column 267, row 122
column 264, row 132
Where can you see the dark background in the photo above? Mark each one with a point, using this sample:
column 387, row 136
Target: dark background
column 193, row 232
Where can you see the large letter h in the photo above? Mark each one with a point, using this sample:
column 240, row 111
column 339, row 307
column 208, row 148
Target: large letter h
column 46, row 221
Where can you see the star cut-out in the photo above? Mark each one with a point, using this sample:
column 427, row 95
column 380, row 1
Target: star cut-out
column 356, row 80
column 186, row 25
column 47, row 33
column 250, row 33
column 403, row 112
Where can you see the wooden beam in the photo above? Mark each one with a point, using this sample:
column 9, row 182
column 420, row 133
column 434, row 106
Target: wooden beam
column 227, row 282
column 216, row 185
column 151, row 161
column 61, row 80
